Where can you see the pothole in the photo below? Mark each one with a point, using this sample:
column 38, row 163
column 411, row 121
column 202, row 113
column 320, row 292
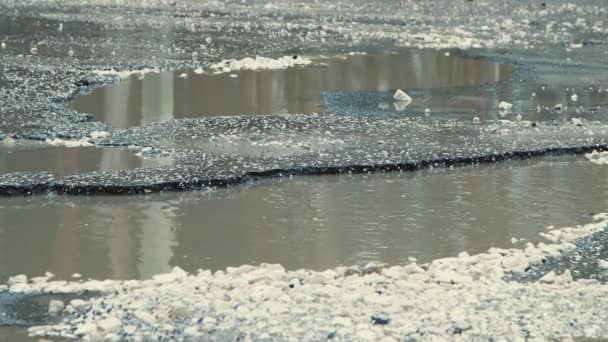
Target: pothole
column 297, row 90
column 307, row 222
column 64, row 161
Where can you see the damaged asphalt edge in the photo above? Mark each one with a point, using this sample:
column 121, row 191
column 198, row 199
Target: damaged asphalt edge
column 60, row 187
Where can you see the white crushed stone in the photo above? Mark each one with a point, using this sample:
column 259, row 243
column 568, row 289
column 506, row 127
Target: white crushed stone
column 259, row 63
column 503, row 105
column 600, row 158
column 83, row 142
column 400, row 95
column 125, row 73
column 466, row 295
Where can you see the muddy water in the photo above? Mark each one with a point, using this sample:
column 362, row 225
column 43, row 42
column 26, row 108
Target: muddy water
column 308, row 222
column 63, row 161
column 166, row 95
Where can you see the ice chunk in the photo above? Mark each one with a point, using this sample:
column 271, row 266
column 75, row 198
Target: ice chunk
column 401, row 96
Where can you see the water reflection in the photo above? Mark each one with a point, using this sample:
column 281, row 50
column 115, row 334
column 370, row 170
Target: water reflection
column 296, row 90
column 64, row 161
column 308, row 222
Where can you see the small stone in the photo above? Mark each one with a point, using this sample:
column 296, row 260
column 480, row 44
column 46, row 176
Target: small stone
column 18, row 279
column 505, row 105
column 381, row 319
column 109, row 325
column 548, row 278
column 400, row 95
column 558, row 107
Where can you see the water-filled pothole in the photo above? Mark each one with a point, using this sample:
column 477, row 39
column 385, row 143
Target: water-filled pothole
column 306, row 222
column 64, row 161
column 166, row 95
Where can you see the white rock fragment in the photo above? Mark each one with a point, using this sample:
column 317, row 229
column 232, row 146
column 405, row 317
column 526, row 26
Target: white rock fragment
column 260, row 63
column 574, row 97
column 199, row 71
column 505, row 106
column 602, row 263
column 109, row 325
column 3, row 45
column 576, row 121
column 600, row 158
column 548, row 278
column 400, row 95
column 76, row 275
column 183, row 75
column 427, row 112
column 18, row 279
column 476, row 121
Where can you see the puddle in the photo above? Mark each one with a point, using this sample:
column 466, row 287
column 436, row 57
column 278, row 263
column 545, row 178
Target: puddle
column 297, row 90
column 64, row 161
column 305, row 222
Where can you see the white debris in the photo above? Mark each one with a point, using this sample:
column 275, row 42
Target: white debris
column 576, row 121
column 109, row 325
column 124, row 74
column 260, row 63
column 199, row 71
column 558, row 107
column 505, row 106
column 574, row 97
column 602, row 263
column 183, row 75
column 548, row 278
column 600, row 158
column 3, row 45
column 99, row 134
column 476, row 120
column 401, row 96
column 76, row 275
column 84, row 142
column 234, row 75
column 427, row 112
column 15, row 280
